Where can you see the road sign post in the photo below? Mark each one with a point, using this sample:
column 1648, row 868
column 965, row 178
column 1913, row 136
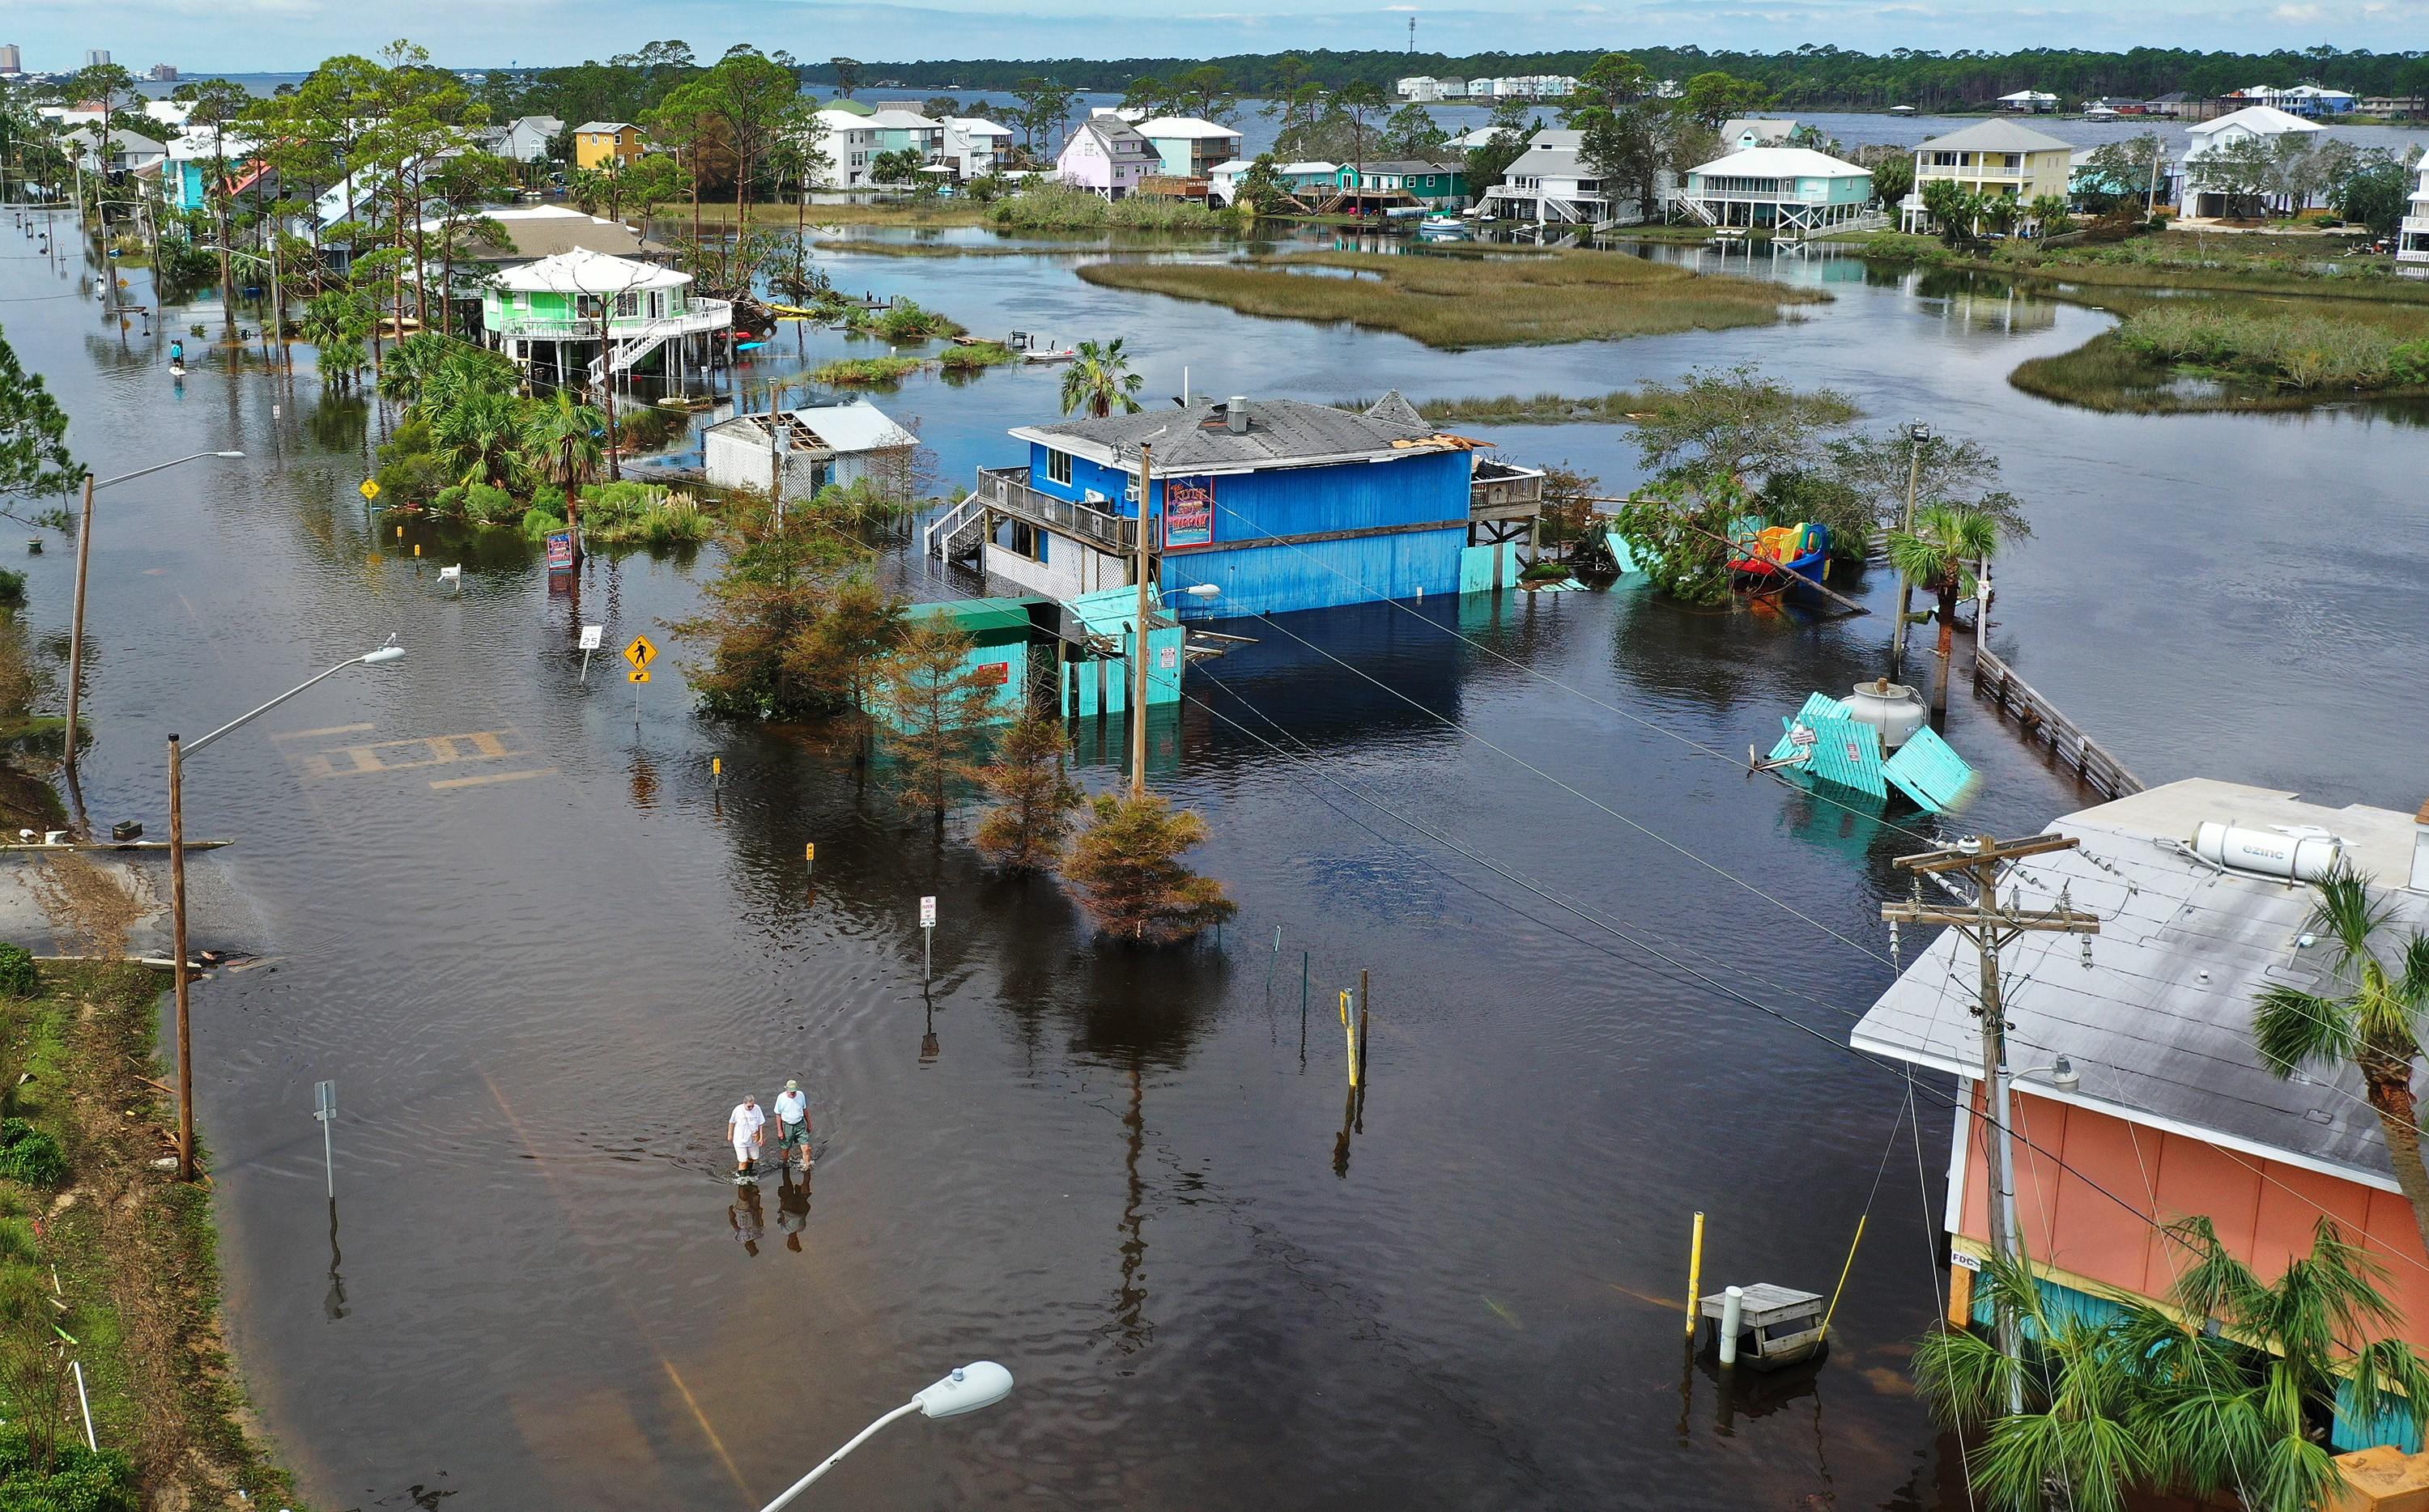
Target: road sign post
column 810, row 857
column 593, row 636
column 325, row 1108
column 927, row 939
column 640, row 653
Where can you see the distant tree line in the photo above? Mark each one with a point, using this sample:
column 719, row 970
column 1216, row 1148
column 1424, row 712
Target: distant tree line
column 1808, row 75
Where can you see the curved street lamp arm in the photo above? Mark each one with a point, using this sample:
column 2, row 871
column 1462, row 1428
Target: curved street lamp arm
column 829, row 1463
column 103, row 482
column 194, row 746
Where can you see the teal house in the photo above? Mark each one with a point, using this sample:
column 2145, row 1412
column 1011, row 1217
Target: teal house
column 1440, row 185
column 1788, row 190
column 563, row 311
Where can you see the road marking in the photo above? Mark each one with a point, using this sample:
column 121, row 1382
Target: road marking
column 315, row 734
column 492, row 776
column 426, row 750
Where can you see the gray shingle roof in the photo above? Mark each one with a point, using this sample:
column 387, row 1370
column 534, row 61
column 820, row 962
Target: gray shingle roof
column 1392, row 410
column 2160, row 1025
column 1280, row 432
column 1997, row 136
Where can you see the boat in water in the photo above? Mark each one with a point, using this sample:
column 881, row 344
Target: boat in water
column 1779, row 555
column 1441, row 223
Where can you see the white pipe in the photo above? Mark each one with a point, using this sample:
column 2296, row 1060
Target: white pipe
column 829, row 1463
column 90, row 1441
column 1732, row 1318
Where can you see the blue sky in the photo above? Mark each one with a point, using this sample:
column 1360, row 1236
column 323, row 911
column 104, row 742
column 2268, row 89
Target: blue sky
column 286, row 35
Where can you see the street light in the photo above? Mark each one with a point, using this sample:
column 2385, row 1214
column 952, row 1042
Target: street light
column 277, row 305
column 388, row 652
column 1918, row 436
column 1202, row 592
column 968, row 1388
column 84, row 560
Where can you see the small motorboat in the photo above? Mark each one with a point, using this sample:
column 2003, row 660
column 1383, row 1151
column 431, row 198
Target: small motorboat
column 1034, row 346
column 1441, row 222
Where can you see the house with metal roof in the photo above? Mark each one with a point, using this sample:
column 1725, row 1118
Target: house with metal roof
column 1435, row 183
column 826, row 440
column 1741, row 132
column 1276, row 504
column 1551, row 181
column 1790, row 191
column 2139, row 1096
column 563, row 310
column 2210, row 188
column 2004, row 157
column 1187, row 146
column 596, row 143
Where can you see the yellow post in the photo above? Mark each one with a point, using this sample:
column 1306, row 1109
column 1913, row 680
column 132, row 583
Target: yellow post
column 1695, row 1273
column 1349, row 1032
column 417, row 550
column 1832, row 1310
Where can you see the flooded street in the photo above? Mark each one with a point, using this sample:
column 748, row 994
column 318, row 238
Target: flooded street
column 1612, row 978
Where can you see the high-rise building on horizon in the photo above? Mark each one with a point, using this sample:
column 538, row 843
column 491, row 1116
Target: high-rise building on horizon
column 163, row 73
column 96, row 57
column 11, row 60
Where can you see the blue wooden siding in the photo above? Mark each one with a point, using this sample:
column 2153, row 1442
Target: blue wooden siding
column 1265, row 579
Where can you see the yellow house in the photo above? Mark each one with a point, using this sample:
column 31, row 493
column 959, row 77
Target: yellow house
column 595, row 142
column 1993, row 158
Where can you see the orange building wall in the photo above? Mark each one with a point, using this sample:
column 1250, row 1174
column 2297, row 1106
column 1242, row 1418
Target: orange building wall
column 2264, row 1210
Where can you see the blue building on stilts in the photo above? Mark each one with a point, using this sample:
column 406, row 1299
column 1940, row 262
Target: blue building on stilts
column 1276, row 504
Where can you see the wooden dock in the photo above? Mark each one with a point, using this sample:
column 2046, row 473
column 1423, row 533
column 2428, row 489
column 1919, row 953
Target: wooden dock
column 2069, row 744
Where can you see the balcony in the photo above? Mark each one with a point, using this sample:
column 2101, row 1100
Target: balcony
column 1501, row 491
column 1006, row 491
column 703, row 315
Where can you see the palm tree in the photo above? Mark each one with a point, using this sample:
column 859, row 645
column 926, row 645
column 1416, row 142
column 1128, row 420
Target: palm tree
column 1938, row 556
column 2153, row 1399
column 2002, row 211
column 2049, row 215
column 1099, row 378
column 2374, row 1022
column 485, row 429
column 565, row 437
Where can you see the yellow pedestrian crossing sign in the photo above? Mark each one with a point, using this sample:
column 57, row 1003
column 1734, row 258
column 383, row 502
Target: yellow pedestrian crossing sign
column 640, row 653
column 636, row 675
column 370, row 489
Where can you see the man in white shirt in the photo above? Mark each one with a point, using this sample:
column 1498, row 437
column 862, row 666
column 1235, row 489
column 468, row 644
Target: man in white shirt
column 793, row 1124
column 742, row 1128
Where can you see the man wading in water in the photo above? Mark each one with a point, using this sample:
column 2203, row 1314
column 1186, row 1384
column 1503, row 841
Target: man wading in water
column 793, row 1125
column 742, row 1131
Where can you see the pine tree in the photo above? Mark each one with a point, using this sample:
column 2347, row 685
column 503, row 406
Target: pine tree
column 938, row 706
column 1127, row 866
column 1030, row 823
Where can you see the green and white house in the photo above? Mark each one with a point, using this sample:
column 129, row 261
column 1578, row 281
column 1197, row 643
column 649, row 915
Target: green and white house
column 1788, row 190
column 1437, row 186
column 565, row 309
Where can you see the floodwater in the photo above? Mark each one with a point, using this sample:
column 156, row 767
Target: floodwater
column 541, row 954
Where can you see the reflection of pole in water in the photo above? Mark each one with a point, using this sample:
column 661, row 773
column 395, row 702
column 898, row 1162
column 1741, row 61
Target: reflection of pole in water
column 1341, row 1146
column 928, row 1045
column 1686, row 1388
column 334, row 1305
column 1130, row 1302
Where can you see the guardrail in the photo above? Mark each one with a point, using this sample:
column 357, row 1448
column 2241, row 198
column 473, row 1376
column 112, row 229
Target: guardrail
column 2040, row 719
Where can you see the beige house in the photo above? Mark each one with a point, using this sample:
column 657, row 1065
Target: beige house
column 1993, row 158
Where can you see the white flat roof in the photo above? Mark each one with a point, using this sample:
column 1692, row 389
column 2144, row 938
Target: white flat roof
column 1782, row 162
column 582, row 272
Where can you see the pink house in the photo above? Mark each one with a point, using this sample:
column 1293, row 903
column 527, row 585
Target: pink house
column 1106, row 156
column 2140, row 1098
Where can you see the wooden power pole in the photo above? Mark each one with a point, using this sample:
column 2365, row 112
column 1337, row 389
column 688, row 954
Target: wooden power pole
column 1992, row 927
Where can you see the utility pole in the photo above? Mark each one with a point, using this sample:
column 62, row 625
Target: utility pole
column 1917, row 436
column 1992, row 927
column 1138, row 641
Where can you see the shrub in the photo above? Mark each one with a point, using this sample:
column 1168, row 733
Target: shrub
column 865, row 373
column 19, row 976
column 977, row 358
column 81, row 1480
column 30, row 1155
column 12, row 589
column 450, row 499
column 413, row 477
column 537, row 522
column 491, row 507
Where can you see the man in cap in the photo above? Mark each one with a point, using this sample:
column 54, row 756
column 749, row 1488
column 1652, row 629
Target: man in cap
column 793, row 1124
column 742, row 1131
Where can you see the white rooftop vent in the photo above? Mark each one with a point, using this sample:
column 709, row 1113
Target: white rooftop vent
column 2295, row 853
column 1236, row 415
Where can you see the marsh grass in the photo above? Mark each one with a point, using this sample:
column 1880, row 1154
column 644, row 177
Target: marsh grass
column 865, row 373
column 977, row 357
column 2185, row 356
column 1618, row 407
column 2256, row 263
column 1461, row 302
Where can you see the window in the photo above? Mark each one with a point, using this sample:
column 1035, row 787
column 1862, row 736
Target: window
column 627, row 305
column 1058, row 468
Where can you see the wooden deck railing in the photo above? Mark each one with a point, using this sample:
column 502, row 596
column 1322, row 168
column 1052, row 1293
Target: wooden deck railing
column 2069, row 744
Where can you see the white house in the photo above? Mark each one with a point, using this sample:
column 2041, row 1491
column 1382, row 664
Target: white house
column 1753, row 131
column 974, row 146
column 2412, row 241
column 1552, row 181
column 1187, row 146
column 1787, row 190
column 2263, row 122
column 2030, row 102
column 2300, row 99
column 525, row 139
column 827, row 440
column 1526, row 87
